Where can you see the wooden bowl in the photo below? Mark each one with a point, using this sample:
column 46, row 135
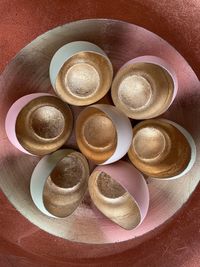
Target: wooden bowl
column 121, row 43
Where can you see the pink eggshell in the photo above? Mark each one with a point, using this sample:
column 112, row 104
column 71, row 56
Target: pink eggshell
column 132, row 181
column 12, row 115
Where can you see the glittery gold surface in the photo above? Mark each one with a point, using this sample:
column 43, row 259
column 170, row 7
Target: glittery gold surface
column 84, row 78
column 135, row 92
column 142, row 90
column 159, row 149
column 47, row 122
column 44, row 125
column 113, row 200
column 66, row 186
column 116, row 37
column 96, row 135
column 109, row 187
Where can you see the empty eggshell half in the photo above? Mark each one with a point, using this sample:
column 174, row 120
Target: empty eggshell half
column 103, row 133
column 12, row 115
column 80, row 73
column 162, row 149
column 59, row 182
column 39, row 124
column 144, row 87
column 120, row 192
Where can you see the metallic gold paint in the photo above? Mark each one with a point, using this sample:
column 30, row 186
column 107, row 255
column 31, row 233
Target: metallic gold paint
column 35, row 120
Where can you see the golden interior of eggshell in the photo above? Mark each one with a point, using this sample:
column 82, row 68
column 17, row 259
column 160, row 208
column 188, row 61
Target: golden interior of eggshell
column 84, row 78
column 44, row 125
column 159, row 149
column 142, row 90
column 96, row 135
column 66, row 186
column 113, row 200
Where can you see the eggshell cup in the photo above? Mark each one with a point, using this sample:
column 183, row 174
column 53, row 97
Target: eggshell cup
column 144, row 87
column 38, row 124
column 57, row 189
column 80, row 73
column 12, row 115
column 162, row 149
column 103, row 133
column 120, row 192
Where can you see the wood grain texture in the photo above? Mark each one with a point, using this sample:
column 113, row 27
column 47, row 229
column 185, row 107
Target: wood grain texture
column 182, row 250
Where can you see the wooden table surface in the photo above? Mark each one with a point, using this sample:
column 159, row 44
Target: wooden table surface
column 178, row 242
